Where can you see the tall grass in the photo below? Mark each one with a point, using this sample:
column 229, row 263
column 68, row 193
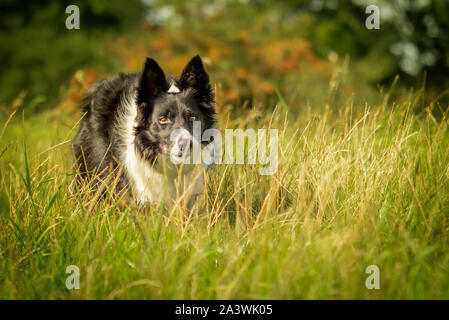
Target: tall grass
column 353, row 188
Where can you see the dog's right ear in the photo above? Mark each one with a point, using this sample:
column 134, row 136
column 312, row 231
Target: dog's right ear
column 194, row 75
column 152, row 81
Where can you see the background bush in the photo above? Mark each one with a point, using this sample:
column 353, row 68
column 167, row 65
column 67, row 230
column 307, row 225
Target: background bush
column 254, row 47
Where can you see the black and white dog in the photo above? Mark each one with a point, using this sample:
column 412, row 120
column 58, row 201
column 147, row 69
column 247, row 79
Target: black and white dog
column 128, row 125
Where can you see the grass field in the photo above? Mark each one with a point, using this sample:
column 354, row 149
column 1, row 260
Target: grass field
column 355, row 187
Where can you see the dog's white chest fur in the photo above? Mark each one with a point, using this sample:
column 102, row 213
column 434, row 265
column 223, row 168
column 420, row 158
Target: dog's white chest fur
column 162, row 182
column 159, row 183
column 147, row 184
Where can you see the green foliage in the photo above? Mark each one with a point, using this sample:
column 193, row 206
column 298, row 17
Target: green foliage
column 39, row 54
column 352, row 189
column 412, row 41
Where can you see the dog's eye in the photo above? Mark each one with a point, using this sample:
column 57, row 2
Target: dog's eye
column 192, row 118
column 164, row 120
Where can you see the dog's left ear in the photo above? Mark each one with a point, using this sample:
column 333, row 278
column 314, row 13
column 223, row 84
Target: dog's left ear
column 152, row 81
column 194, row 75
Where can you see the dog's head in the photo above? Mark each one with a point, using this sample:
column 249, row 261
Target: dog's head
column 168, row 106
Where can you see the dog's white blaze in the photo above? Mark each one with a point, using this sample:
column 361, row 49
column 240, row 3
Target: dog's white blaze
column 173, row 89
column 148, row 183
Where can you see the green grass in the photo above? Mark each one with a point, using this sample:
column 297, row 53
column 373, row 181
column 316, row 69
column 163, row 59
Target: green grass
column 353, row 189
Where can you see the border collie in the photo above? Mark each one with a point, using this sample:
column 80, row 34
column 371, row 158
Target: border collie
column 126, row 132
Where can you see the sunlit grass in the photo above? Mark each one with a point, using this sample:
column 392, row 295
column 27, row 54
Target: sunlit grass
column 353, row 188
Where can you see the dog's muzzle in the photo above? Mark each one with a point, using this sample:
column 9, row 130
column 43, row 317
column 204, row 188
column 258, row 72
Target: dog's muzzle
column 182, row 145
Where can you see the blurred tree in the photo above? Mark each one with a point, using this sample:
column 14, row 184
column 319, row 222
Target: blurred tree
column 413, row 37
column 37, row 52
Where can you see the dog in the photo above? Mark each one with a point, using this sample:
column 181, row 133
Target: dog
column 134, row 124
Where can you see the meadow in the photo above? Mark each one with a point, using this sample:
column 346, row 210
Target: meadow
column 360, row 185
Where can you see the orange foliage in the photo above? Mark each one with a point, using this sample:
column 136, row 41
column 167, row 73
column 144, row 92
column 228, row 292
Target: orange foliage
column 243, row 71
column 286, row 55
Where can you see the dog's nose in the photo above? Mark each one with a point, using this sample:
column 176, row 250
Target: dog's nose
column 184, row 143
column 181, row 142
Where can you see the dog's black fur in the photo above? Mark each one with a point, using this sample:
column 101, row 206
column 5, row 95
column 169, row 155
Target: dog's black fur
column 100, row 142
